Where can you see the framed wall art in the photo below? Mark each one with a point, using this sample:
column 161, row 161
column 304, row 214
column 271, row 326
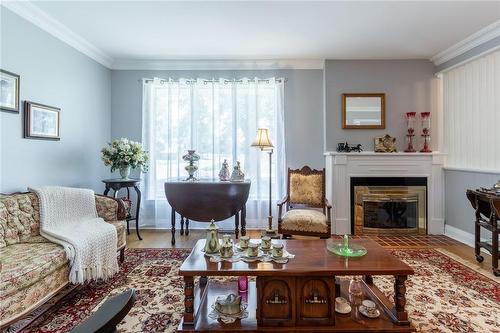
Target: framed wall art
column 363, row 111
column 41, row 121
column 9, row 91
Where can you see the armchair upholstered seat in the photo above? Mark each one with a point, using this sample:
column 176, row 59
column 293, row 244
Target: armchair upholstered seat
column 307, row 210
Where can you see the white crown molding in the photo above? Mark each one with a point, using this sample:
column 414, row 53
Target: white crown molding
column 218, row 64
column 482, row 36
column 38, row 17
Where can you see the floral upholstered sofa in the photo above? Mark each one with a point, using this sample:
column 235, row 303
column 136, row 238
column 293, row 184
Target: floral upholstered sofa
column 33, row 269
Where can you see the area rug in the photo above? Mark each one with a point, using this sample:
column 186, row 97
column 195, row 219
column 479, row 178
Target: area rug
column 444, row 295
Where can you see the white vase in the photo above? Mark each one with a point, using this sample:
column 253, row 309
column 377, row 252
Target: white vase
column 125, row 172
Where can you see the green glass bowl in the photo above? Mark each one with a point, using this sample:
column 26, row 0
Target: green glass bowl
column 352, row 250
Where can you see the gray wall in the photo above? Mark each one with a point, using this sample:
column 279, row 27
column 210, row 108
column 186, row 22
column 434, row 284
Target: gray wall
column 55, row 74
column 458, row 210
column 407, row 85
column 303, row 107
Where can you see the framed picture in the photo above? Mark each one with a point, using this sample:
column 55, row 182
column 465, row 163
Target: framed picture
column 9, row 91
column 41, row 121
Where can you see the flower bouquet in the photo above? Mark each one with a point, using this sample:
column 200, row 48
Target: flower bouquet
column 124, row 154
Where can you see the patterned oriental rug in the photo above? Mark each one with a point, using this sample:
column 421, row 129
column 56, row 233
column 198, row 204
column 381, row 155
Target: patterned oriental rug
column 445, row 294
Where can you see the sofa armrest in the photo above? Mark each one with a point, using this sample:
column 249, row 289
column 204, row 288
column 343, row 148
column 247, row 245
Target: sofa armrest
column 110, row 209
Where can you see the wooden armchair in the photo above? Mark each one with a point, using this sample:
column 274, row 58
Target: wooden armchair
column 303, row 201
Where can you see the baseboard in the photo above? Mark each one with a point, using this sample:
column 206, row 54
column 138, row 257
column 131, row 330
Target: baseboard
column 462, row 236
column 459, row 235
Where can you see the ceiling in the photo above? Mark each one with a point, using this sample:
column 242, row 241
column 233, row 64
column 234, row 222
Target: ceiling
column 160, row 30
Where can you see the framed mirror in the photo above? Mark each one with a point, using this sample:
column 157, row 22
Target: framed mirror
column 363, row 111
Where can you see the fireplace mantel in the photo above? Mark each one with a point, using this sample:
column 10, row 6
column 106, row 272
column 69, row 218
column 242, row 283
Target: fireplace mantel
column 340, row 167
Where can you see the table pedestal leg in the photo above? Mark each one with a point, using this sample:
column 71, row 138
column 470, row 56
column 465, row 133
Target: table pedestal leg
column 172, row 217
column 188, row 301
column 244, row 221
column 237, row 224
column 400, row 298
column 187, row 227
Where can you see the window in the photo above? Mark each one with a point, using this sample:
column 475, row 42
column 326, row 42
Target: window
column 219, row 119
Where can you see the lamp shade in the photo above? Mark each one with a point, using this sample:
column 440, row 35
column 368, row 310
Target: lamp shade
column 262, row 139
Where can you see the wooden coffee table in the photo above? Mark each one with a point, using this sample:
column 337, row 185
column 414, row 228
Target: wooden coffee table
column 298, row 296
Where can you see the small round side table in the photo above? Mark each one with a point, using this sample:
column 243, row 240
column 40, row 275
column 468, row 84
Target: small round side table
column 117, row 184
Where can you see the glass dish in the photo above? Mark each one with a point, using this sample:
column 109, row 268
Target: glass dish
column 345, row 249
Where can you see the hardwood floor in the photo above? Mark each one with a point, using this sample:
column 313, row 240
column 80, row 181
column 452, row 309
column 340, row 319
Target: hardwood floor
column 161, row 239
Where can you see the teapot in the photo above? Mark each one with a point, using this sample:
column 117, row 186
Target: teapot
column 212, row 244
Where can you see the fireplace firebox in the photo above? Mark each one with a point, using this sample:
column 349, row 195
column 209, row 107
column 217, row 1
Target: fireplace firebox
column 388, row 205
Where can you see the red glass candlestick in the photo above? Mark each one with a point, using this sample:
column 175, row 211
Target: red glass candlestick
column 426, row 131
column 410, row 124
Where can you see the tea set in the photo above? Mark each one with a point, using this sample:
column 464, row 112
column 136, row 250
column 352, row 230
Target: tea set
column 248, row 251
column 367, row 308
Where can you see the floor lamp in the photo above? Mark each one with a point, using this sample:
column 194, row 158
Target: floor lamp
column 263, row 142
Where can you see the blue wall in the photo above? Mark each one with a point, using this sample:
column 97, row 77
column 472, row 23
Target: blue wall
column 55, row 74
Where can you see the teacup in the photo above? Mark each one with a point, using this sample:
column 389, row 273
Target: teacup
column 226, row 251
column 341, row 304
column 244, row 240
column 278, row 250
column 370, row 306
column 266, row 242
column 253, row 250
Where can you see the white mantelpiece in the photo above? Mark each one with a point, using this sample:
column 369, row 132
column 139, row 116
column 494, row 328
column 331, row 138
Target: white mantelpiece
column 340, row 167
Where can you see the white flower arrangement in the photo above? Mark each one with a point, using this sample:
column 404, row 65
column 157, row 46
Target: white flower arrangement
column 124, row 153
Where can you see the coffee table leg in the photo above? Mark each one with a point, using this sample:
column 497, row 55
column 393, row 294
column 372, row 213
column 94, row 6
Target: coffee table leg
column 172, row 217
column 400, row 297
column 244, row 221
column 188, row 301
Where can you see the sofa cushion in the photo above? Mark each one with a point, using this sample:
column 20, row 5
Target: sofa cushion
column 307, row 220
column 120, row 233
column 19, row 219
column 26, row 263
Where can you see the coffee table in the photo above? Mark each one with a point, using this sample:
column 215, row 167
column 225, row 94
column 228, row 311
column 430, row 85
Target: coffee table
column 298, row 296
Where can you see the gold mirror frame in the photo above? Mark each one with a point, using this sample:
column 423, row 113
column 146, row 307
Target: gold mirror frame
column 382, row 111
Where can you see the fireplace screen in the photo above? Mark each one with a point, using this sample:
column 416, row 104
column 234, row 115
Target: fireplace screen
column 393, row 209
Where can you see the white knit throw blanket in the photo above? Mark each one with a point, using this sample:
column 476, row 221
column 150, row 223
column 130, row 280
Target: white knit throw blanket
column 68, row 216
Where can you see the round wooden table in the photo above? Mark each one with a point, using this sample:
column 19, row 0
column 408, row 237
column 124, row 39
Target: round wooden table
column 206, row 200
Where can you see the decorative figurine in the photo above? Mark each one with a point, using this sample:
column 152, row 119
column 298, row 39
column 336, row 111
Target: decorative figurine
column 426, row 130
column 229, row 305
column 345, row 148
column 224, row 173
column 191, row 168
column 212, row 244
column 385, row 144
column 410, row 124
column 237, row 175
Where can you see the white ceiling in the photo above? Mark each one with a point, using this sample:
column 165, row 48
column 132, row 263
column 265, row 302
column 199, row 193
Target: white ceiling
column 159, row 30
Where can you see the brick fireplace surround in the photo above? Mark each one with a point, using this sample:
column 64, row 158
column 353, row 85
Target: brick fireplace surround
column 341, row 167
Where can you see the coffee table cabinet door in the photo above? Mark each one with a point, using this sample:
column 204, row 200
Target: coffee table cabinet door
column 276, row 301
column 315, row 301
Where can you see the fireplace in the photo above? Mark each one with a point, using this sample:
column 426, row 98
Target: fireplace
column 388, row 205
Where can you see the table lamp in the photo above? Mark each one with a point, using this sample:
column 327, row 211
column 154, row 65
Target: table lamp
column 263, row 142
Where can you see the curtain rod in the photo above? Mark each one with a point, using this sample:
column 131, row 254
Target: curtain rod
column 213, row 80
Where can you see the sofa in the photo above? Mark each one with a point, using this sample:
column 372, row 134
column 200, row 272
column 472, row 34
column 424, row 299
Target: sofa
column 33, row 269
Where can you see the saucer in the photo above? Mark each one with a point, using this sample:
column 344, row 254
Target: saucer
column 365, row 313
column 265, row 249
column 239, row 248
column 347, row 309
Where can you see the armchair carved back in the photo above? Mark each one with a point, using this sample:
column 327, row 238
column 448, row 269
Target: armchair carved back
column 306, row 186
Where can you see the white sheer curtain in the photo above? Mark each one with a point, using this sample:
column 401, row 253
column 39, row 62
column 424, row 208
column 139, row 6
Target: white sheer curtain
column 471, row 98
column 219, row 119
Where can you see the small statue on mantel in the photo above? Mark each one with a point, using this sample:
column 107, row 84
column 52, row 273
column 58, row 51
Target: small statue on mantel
column 224, row 173
column 237, row 175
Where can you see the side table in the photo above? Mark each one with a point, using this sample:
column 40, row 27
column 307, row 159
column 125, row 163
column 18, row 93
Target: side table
column 117, row 184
